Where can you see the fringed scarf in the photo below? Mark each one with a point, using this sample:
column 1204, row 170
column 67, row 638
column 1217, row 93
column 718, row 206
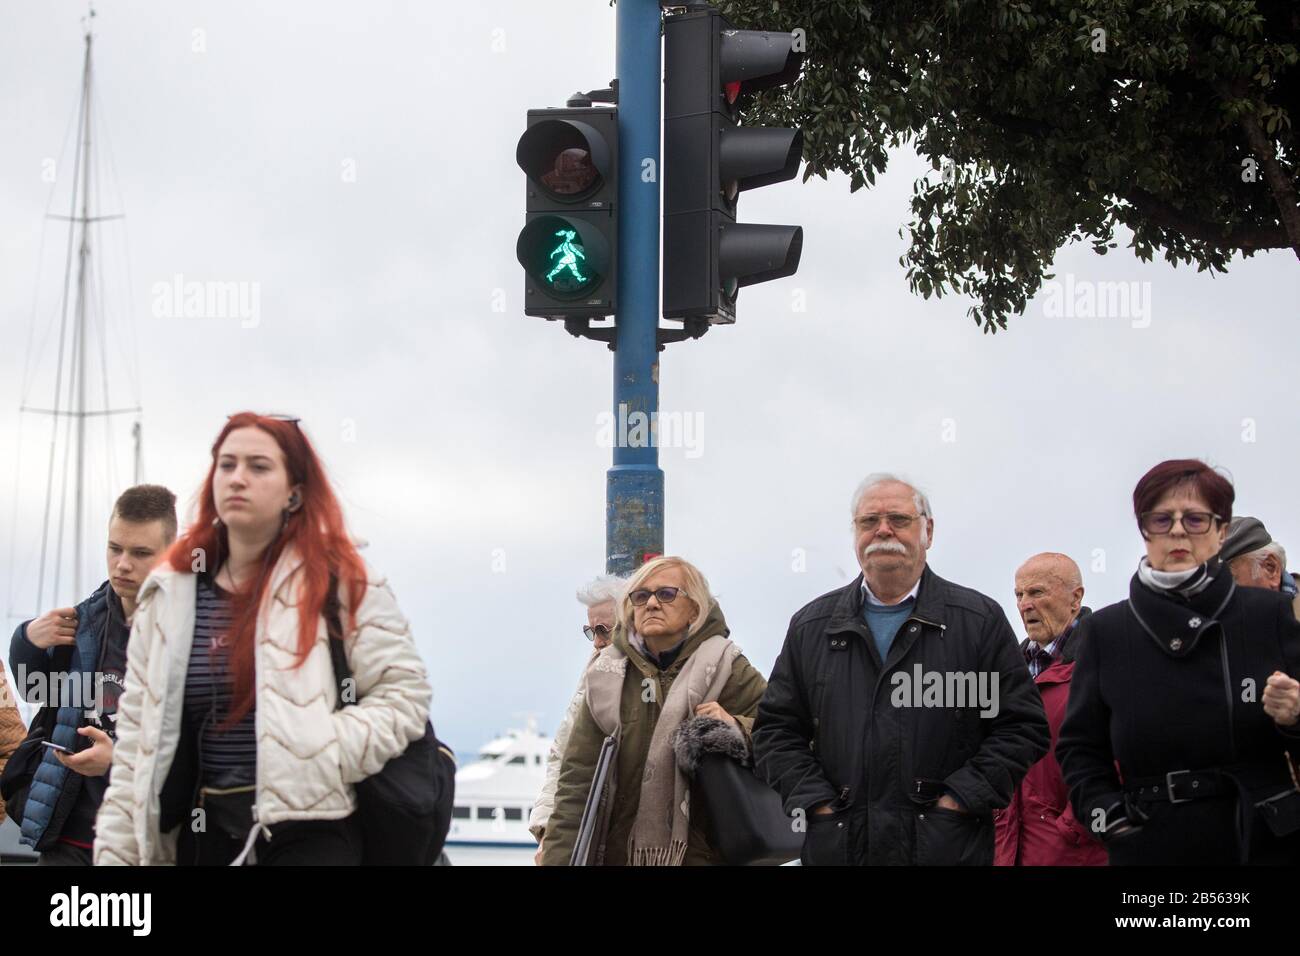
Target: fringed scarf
column 661, row 831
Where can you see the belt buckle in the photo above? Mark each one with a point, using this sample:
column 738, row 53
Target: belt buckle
column 1169, row 786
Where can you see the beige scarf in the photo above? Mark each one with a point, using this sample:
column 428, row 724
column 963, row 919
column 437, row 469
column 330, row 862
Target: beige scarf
column 660, row 834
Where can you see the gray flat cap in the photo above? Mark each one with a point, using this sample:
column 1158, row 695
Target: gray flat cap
column 1245, row 534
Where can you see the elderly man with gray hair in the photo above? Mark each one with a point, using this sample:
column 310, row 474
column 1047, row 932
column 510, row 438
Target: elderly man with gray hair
column 1256, row 560
column 900, row 713
column 601, row 596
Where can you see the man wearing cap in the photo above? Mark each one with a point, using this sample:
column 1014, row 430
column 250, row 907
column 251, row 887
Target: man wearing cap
column 1256, row 560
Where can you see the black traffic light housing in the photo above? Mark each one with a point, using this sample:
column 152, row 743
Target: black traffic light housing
column 709, row 71
column 569, row 244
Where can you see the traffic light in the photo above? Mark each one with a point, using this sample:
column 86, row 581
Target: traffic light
column 710, row 69
column 568, row 246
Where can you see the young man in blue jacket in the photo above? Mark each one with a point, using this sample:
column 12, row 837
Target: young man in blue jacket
column 75, row 659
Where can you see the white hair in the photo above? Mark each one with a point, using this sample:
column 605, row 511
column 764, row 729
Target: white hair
column 918, row 498
column 880, row 478
column 602, row 589
column 1259, row 554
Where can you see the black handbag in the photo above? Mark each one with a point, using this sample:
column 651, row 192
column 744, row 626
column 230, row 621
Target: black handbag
column 404, row 809
column 1281, row 812
column 16, row 779
column 746, row 821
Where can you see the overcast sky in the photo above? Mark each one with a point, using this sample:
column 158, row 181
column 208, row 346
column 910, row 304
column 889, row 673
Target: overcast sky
column 354, row 163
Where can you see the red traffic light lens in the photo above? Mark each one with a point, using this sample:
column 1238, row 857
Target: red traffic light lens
column 570, row 172
column 566, row 159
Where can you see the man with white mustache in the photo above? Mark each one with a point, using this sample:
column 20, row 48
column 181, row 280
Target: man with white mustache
column 879, row 779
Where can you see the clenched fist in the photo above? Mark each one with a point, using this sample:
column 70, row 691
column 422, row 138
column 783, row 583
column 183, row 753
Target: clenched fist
column 714, row 709
column 1282, row 699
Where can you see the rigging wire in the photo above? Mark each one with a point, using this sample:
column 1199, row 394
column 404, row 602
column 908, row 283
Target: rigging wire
column 63, row 329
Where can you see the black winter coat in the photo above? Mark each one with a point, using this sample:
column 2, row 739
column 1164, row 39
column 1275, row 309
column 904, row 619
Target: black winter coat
column 1178, row 685
column 837, row 726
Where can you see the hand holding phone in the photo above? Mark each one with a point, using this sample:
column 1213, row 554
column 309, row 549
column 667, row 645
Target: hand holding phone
column 94, row 760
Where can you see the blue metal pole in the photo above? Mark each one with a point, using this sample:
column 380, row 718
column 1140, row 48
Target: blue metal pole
column 634, row 492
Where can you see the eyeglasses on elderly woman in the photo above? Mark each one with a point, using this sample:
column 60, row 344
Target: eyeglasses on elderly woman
column 1162, row 522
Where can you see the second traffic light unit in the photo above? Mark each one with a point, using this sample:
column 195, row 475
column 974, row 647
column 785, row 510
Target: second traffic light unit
column 710, row 70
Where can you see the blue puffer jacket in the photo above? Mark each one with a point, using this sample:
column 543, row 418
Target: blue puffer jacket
column 55, row 786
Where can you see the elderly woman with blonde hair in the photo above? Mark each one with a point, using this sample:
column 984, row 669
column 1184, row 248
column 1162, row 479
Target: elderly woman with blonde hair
column 672, row 669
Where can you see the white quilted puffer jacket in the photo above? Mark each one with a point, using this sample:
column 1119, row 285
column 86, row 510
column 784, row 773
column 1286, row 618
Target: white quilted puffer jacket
column 308, row 753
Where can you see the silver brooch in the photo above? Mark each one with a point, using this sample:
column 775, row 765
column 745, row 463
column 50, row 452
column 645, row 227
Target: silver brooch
column 1176, row 644
column 1194, row 622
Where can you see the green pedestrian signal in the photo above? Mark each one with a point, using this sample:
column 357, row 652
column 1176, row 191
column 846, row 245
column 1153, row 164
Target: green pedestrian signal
column 568, row 244
column 566, row 262
column 569, row 252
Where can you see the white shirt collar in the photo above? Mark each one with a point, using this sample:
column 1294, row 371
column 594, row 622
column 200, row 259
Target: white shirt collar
column 872, row 599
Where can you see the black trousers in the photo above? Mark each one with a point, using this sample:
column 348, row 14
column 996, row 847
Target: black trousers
column 292, row 843
column 64, row 854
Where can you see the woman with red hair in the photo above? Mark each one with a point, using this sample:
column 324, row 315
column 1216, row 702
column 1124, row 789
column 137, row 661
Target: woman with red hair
column 231, row 746
column 1183, row 722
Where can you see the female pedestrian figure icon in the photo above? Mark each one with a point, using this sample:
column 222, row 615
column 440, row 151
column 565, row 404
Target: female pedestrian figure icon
column 569, row 255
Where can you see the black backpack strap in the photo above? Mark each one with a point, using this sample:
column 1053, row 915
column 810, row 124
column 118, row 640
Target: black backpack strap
column 334, row 627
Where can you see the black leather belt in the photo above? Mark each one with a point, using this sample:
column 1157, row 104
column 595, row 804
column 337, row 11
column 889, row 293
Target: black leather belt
column 1182, row 786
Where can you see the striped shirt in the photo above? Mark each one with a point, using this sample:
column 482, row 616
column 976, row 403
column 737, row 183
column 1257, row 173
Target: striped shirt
column 1041, row 657
column 208, row 693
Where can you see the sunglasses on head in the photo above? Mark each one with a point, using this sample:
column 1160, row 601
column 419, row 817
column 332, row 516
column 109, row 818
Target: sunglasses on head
column 600, row 630
column 277, row 416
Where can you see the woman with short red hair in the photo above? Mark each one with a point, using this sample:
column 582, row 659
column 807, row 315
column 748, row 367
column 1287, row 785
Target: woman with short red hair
column 1182, row 730
column 231, row 746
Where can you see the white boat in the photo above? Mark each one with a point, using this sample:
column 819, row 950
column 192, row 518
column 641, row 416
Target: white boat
column 495, row 793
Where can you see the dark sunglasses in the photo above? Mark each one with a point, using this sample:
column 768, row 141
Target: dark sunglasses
column 662, row 595
column 600, row 630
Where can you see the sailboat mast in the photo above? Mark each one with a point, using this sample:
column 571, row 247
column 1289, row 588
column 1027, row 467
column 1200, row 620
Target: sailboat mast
column 80, row 340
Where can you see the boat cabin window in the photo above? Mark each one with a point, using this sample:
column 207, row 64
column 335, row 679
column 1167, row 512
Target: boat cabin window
column 460, row 813
column 485, row 813
column 514, row 813
column 516, row 760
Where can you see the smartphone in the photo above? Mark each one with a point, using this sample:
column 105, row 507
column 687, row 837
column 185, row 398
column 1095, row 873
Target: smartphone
column 54, row 746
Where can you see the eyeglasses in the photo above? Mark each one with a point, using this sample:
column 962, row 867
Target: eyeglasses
column 1162, row 522
column 600, row 630
column 898, row 522
column 662, row 595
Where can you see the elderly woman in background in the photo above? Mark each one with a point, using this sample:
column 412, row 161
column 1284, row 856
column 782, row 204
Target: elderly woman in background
column 12, row 729
column 601, row 597
column 671, row 662
column 1185, row 688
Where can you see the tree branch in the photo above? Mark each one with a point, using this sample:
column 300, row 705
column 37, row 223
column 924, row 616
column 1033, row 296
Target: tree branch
column 1162, row 213
column 1283, row 189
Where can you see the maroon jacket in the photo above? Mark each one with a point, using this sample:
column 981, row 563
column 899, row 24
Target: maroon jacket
column 1038, row 828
